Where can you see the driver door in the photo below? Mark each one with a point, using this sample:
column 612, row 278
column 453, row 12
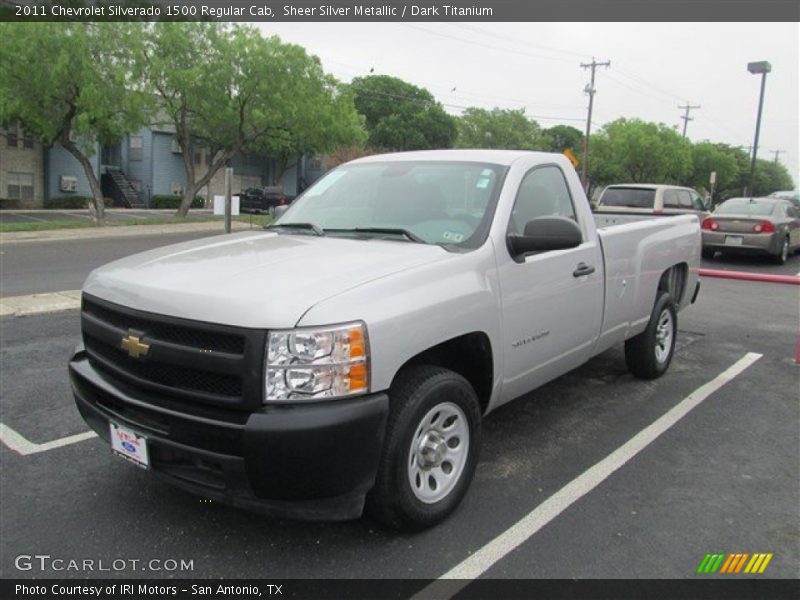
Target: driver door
column 552, row 301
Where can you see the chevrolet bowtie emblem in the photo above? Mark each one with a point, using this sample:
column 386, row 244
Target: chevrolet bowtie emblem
column 134, row 346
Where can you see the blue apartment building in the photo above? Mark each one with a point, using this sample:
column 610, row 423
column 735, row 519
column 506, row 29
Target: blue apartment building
column 141, row 165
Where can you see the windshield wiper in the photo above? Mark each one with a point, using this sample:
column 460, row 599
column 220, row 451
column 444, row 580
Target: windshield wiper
column 387, row 230
column 306, row 226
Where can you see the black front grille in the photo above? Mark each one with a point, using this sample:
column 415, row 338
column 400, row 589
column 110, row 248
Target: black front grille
column 211, row 363
column 182, row 335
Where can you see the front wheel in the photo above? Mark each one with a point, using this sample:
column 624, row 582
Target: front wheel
column 649, row 354
column 430, row 451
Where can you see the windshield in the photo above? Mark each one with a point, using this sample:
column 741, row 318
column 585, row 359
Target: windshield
column 434, row 202
column 745, row 207
column 628, row 197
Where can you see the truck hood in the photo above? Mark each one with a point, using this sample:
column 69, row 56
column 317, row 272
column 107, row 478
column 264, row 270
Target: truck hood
column 252, row 279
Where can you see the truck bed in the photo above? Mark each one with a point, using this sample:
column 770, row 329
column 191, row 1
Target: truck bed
column 637, row 250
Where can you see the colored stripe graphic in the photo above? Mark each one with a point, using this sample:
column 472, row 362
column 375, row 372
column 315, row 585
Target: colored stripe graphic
column 734, row 563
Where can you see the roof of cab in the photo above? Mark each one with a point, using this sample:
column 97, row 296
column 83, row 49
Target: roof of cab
column 498, row 157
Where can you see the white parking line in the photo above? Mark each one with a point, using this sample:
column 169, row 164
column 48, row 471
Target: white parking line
column 484, row 558
column 20, row 445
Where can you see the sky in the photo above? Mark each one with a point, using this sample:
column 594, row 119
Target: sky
column 655, row 67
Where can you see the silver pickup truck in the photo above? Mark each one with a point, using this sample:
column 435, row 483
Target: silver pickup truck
column 344, row 357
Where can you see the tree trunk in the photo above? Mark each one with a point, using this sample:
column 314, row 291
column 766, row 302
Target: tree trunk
column 282, row 166
column 192, row 187
column 94, row 183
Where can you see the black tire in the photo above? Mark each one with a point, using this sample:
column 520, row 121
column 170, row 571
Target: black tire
column 417, row 390
column 708, row 253
column 783, row 253
column 646, row 355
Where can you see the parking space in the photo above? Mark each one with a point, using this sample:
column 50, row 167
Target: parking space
column 724, row 478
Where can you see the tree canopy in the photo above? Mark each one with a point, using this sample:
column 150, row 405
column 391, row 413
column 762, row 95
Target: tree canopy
column 632, row 150
column 565, row 137
column 500, row 128
column 230, row 90
column 73, row 84
column 401, row 116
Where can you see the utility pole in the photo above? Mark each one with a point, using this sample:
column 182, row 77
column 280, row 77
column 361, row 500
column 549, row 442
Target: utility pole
column 686, row 118
column 589, row 89
column 777, row 153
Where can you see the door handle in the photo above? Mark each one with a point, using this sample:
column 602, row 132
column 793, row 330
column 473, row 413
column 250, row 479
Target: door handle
column 583, row 269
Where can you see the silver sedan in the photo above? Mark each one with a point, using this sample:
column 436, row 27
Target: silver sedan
column 753, row 225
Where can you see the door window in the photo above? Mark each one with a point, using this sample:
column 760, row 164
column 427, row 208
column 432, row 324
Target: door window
column 684, row 199
column 671, row 199
column 542, row 193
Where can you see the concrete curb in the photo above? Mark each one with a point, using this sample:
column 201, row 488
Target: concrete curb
column 747, row 276
column 36, row 304
column 60, row 235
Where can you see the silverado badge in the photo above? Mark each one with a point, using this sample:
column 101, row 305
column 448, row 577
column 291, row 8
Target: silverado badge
column 134, row 346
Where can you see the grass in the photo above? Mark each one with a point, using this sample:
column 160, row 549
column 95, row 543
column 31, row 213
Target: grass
column 255, row 220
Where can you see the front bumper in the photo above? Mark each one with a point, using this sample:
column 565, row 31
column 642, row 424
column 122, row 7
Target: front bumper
column 313, row 461
column 758, row 243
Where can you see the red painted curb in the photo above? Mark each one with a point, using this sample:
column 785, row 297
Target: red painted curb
column 745, row 276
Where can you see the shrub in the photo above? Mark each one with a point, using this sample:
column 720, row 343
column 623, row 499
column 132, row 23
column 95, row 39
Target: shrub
column 74, row 202
column 10, row 203
column 168, row 201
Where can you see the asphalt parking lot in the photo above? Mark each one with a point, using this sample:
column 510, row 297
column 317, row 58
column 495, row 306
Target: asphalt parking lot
column 724, row 478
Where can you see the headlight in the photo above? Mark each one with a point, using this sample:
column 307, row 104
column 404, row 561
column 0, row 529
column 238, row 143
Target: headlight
column 325, row 362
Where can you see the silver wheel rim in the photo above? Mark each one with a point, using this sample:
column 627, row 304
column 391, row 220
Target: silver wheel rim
column 438, row 452
column 663, row 336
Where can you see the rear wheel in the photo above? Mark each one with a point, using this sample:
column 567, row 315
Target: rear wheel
column 649, row 354
column 783, row 253
column 708, row 253
column 430, row 451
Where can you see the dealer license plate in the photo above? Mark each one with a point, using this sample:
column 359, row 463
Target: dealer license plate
column 733, row 240
column 130, row 445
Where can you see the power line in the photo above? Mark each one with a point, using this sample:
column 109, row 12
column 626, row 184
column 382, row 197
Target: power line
column 686, row 118
column 589, row 89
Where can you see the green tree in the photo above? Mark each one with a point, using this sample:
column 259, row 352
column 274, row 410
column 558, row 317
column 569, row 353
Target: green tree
column 330, row 121
column 565, row 137
column 500, row 128
column 73, row 84
column 637, row 151
column 717, row 158
column 230, row 90
column 401, row 116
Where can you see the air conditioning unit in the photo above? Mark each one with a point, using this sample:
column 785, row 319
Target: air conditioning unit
column 177, row 189
column 68, row 183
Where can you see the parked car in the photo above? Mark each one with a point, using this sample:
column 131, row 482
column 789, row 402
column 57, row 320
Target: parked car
column 262, row 199
column 652, row 199
column 792, row 196
column 348, row 354
column 753, row 225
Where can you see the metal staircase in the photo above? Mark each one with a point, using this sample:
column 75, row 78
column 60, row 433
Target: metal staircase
column 124, row 192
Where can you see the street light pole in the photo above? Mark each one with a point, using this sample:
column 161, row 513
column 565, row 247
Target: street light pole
column 762, row 67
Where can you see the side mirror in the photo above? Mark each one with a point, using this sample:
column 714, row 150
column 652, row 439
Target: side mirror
column 546, row 233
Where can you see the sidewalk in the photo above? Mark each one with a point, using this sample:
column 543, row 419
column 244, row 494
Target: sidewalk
column 51, row 235
column 37, row 304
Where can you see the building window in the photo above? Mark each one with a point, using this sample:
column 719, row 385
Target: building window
column 20, row 186
column 198, row 156
column 27, row 139
column 135, row 144
column 11, row 135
